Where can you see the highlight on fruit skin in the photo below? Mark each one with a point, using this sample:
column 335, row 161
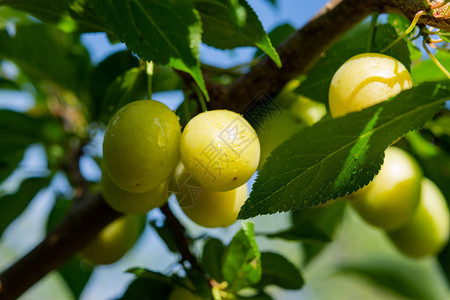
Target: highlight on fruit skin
column 365, row 80
column 132, row 203
column 390, row 199
column 203, row 206
column 220, row 149
column 428, row 230
column 114, row 241
column 141, row 145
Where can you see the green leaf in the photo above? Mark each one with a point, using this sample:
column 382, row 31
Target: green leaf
column 146, row 289
column 76, row 275
column 58, row 11
column 318, row 80
column 148, row 274
column 241, row 263
column 301, row 233
column 165, row 32
column 401, row 23
column 278, row 270
column 278, row 35
column 107, row 71
column 166, row 235
column 7, row 84
column 223, row 29
column 212, row 258
column 426, row 70
column 410, row 281
column 12, row 205
column 323, row 219
column 127, row 87
column 335, row 157
column 47, row 54
column 17, row 131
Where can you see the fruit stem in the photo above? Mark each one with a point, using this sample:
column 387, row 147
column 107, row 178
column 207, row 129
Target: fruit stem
column 435, row 60
column 149, row 71
column 407, row 31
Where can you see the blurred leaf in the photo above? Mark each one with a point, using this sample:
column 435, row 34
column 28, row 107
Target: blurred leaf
column 187, row 110
column 444, row 261
column 401, row 23
column 278, row 270
column 259, row 296
column 59, row 210
column 154, row 276
column 56, row 11
column 127, row 87
column 147, row 289
column 166, row 235
column 107, row 71
column 47, row 54
column 301, row 233
column 241, row 263
column 76, row 275
column 8, row 84
column 426, row 70
column 318, row 80
column 407, row 280
column 335, row 157
column 12, row 205
column 9, row 15
column 17, row 131
column 165, row 32
column 278, row 35
column 223, row 28
column 165, row 79
column 212, row 258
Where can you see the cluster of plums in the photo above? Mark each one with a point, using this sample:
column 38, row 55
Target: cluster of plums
column 408, row 206
column 146, row 158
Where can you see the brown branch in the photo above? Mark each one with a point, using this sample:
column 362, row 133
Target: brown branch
column 181, row 238
column 79, row 226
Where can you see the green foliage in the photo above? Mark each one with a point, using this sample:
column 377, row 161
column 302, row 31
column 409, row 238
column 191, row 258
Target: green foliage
column 60, row 58
column 230, row 24
column 276, row 269
column 212, row 258
column 317, row 82
column 147, row 289
column 278, row 35
column 12, row 205
column 165, row 234
column 57, row 11
column 335, row 157
column 241, row 263
column 408, row 281
column 167, row 33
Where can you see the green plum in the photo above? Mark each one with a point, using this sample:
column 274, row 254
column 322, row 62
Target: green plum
column 428, row 230
column 132, row 203
column 389, row 201
column 206, row 207
column 220, row 149
column 114, row 241
column 141, row 145
column 365, row 80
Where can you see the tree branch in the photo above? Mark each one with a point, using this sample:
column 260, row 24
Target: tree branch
column 80, row 225
column 181, row 238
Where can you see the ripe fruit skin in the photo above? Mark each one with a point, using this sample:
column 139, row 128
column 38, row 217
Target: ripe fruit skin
column 206, row 207
column 220, row 149
column 114, row 240
column 389, row 201
column 179, row 293
column 132, row 203
column 428, row 230
column 365, row 80
column 276, row 129
column 141, row 145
